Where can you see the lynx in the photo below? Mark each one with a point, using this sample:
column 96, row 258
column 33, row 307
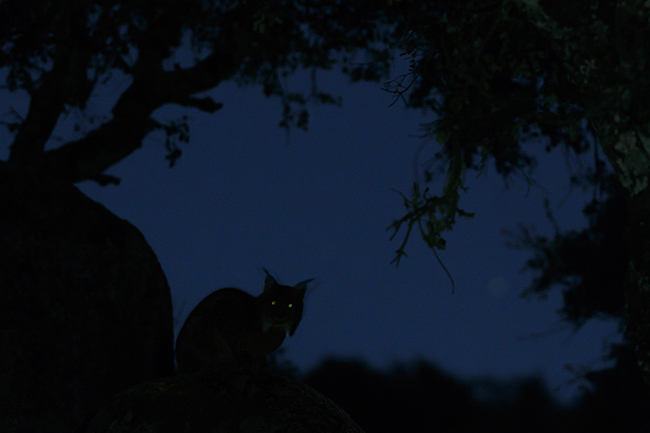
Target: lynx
column 231, row 328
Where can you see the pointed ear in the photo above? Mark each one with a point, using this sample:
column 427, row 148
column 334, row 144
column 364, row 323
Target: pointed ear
column 269, row 281
column 301, row 287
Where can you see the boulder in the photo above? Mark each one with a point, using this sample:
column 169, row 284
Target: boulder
column 85, row 308
column 239, row 400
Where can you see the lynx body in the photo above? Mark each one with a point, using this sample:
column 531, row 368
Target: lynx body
column 231, row 328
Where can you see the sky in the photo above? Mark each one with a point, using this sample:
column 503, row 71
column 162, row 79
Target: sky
column 317, row 205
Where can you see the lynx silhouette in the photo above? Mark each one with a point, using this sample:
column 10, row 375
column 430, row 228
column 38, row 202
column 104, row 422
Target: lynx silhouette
column 231, row 328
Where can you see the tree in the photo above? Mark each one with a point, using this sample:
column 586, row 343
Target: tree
column 105, row 308
column 500, row 73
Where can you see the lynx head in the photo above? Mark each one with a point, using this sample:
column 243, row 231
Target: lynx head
column 281, row 306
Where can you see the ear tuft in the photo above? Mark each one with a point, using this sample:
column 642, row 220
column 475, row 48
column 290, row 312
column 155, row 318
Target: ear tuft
column 302, row 286
column 269, row 281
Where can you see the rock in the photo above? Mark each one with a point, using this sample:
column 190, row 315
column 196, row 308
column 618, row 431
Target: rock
column 85, row 309
column 240, row 400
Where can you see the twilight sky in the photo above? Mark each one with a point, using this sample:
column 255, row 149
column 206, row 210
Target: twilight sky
column 242, row 198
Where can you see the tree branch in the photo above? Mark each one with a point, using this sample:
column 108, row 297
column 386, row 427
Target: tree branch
column 65, row 82
column 206, row 104
column 90, row 156
column 152, row 87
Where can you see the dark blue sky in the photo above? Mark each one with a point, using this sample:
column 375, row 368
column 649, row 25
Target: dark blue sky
column 242, row 198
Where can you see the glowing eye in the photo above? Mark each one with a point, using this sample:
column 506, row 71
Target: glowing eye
column 272, row 302
column 290, row 305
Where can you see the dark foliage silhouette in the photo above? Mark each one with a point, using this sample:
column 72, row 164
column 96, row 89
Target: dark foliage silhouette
column 420, row 397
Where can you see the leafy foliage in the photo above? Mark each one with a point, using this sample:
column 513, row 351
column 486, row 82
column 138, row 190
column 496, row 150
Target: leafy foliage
column 499, row 73
column 590, row 265
column 61, row 52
